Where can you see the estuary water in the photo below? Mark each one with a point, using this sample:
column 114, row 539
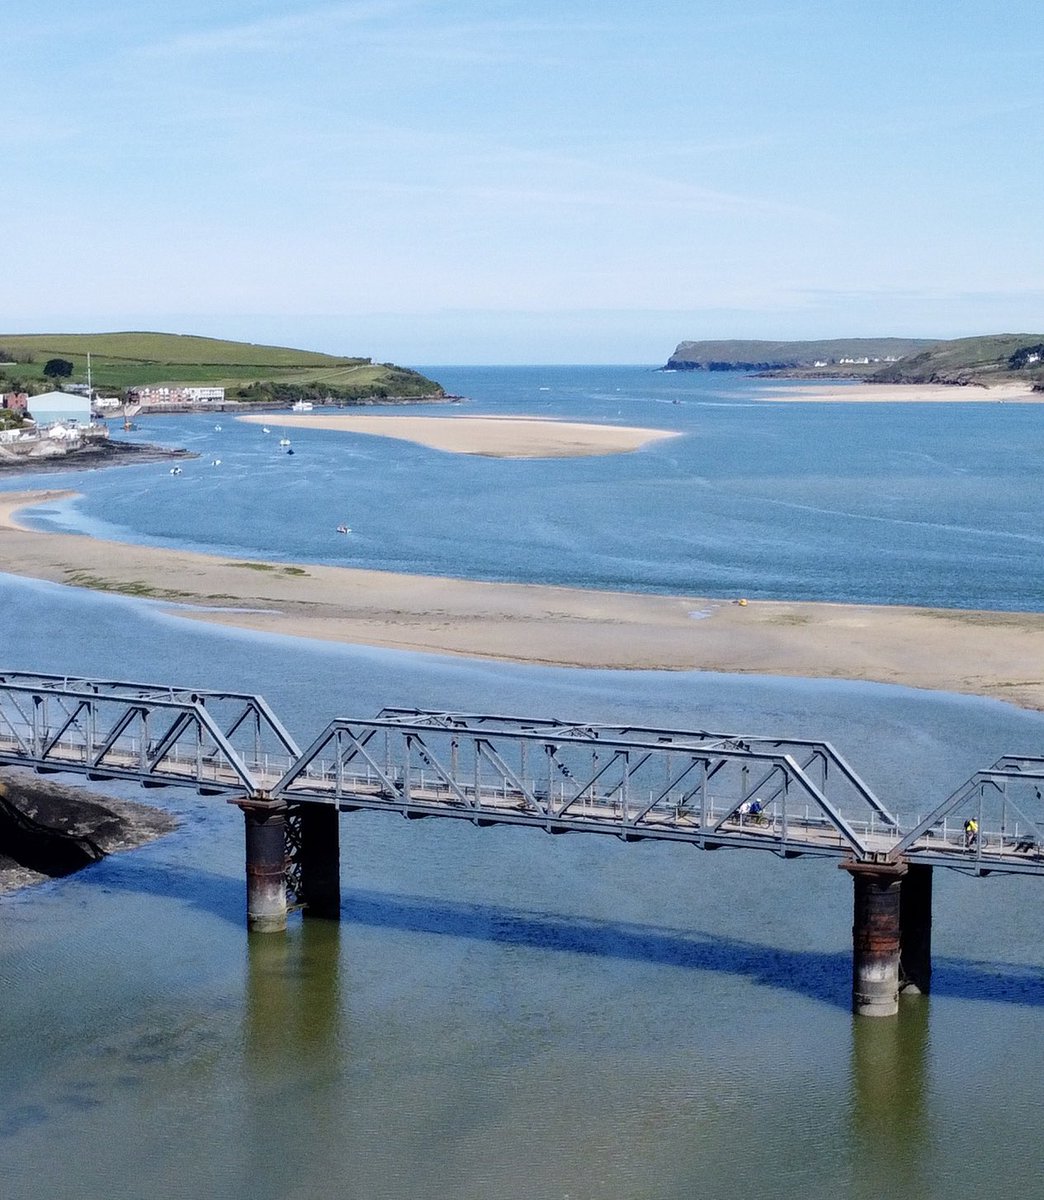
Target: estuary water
column 500, row 1013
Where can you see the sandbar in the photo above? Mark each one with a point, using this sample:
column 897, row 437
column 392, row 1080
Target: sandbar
column 831, row 391
column 994, row 654
column 492, row 437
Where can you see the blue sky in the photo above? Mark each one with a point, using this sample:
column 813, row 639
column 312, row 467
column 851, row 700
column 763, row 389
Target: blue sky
column 470, row 181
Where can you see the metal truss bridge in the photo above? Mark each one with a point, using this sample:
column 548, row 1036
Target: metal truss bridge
column 789, row 796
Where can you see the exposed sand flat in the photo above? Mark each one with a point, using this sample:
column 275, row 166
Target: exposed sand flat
column 983, row 653
column 494, row 437
column 892, row 393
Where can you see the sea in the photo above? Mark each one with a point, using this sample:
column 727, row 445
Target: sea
column 502, row 1014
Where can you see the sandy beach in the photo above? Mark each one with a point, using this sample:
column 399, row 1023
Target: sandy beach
column 830, row 390
column 1000, row 655
column 493, row 437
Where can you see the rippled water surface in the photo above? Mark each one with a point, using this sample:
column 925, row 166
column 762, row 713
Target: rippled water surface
column 923, row 504
column 500, row 1013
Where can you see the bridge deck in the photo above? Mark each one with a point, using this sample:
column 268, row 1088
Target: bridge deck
column 633, row 783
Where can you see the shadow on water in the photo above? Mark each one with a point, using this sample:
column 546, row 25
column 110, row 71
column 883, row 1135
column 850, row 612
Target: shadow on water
column 824, row 976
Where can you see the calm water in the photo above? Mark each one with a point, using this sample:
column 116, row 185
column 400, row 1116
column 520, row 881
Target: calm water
column 891, row 504
column 503, row 1014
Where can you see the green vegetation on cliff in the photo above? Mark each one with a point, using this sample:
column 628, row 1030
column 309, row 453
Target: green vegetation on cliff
column 122, row 360
column 741, row 355
column 999, row 358
column 996, row 358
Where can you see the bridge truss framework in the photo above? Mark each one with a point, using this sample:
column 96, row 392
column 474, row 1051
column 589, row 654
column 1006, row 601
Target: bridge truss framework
column 790, row 796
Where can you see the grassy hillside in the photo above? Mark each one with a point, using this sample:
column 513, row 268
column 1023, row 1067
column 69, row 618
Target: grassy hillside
column 995, row 358
column 999, row 358
column 763, row 355
column 121, row 360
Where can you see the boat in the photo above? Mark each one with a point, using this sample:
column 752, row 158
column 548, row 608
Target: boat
column 291, row 450
column 218, row 428
column 284, row 441
column 344, row 529
column 301, row 406
column 175, row 470
column 265, row 429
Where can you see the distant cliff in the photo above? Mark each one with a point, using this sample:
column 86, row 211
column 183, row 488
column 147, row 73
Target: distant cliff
column 851, row 355
column 992, row 358
column 997, row 358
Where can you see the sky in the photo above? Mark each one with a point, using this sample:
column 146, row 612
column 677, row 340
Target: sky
column 555, row 181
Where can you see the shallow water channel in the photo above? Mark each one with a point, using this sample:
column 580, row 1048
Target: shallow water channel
column 501, row 1013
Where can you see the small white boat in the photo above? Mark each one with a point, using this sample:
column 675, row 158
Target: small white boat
column 284, row 441
column 301, row 406
column 344, row 529
column 218, row 428
column 175, row 470
column 215, row 462
column 265, row 429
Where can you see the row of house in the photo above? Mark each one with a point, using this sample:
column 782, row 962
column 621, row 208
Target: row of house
column 75, row 401
column 74, row 407
column 177, row 394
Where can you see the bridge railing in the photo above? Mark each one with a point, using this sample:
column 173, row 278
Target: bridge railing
column 708, row 794
column 997, row 814
column 848, row 793
column 793, row 796
column 220, row 741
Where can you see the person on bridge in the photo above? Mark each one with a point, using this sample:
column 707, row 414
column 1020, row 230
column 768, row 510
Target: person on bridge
column 971, row 833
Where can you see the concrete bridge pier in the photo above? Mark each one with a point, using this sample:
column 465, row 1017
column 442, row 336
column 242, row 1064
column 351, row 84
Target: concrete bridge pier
column 876, row 937
column 265, row 822
column 320, row 860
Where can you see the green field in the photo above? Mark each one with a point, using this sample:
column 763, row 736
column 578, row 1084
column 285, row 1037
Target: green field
column 122, row 360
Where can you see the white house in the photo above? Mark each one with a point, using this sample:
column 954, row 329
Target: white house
column 63, row 407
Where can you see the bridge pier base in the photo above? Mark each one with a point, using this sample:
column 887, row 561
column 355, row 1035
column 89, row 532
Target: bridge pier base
column 320, row 861
column 876, row 937
column 265, row 823
column 915, row 930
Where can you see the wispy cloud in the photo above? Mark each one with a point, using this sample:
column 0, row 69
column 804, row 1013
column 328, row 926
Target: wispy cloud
column 277, row 33
column 407, row 28
column 495, row 174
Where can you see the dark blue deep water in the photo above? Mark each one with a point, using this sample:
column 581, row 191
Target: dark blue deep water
column 502, row 1014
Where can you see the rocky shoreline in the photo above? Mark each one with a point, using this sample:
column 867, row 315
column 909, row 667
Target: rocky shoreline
column 48, row 830
column 103, row 453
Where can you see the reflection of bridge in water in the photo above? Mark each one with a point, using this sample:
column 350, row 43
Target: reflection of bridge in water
column 793, row 797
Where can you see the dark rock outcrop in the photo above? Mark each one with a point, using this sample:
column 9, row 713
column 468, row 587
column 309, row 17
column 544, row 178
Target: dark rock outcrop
column 49, row 829
column 91, row 455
